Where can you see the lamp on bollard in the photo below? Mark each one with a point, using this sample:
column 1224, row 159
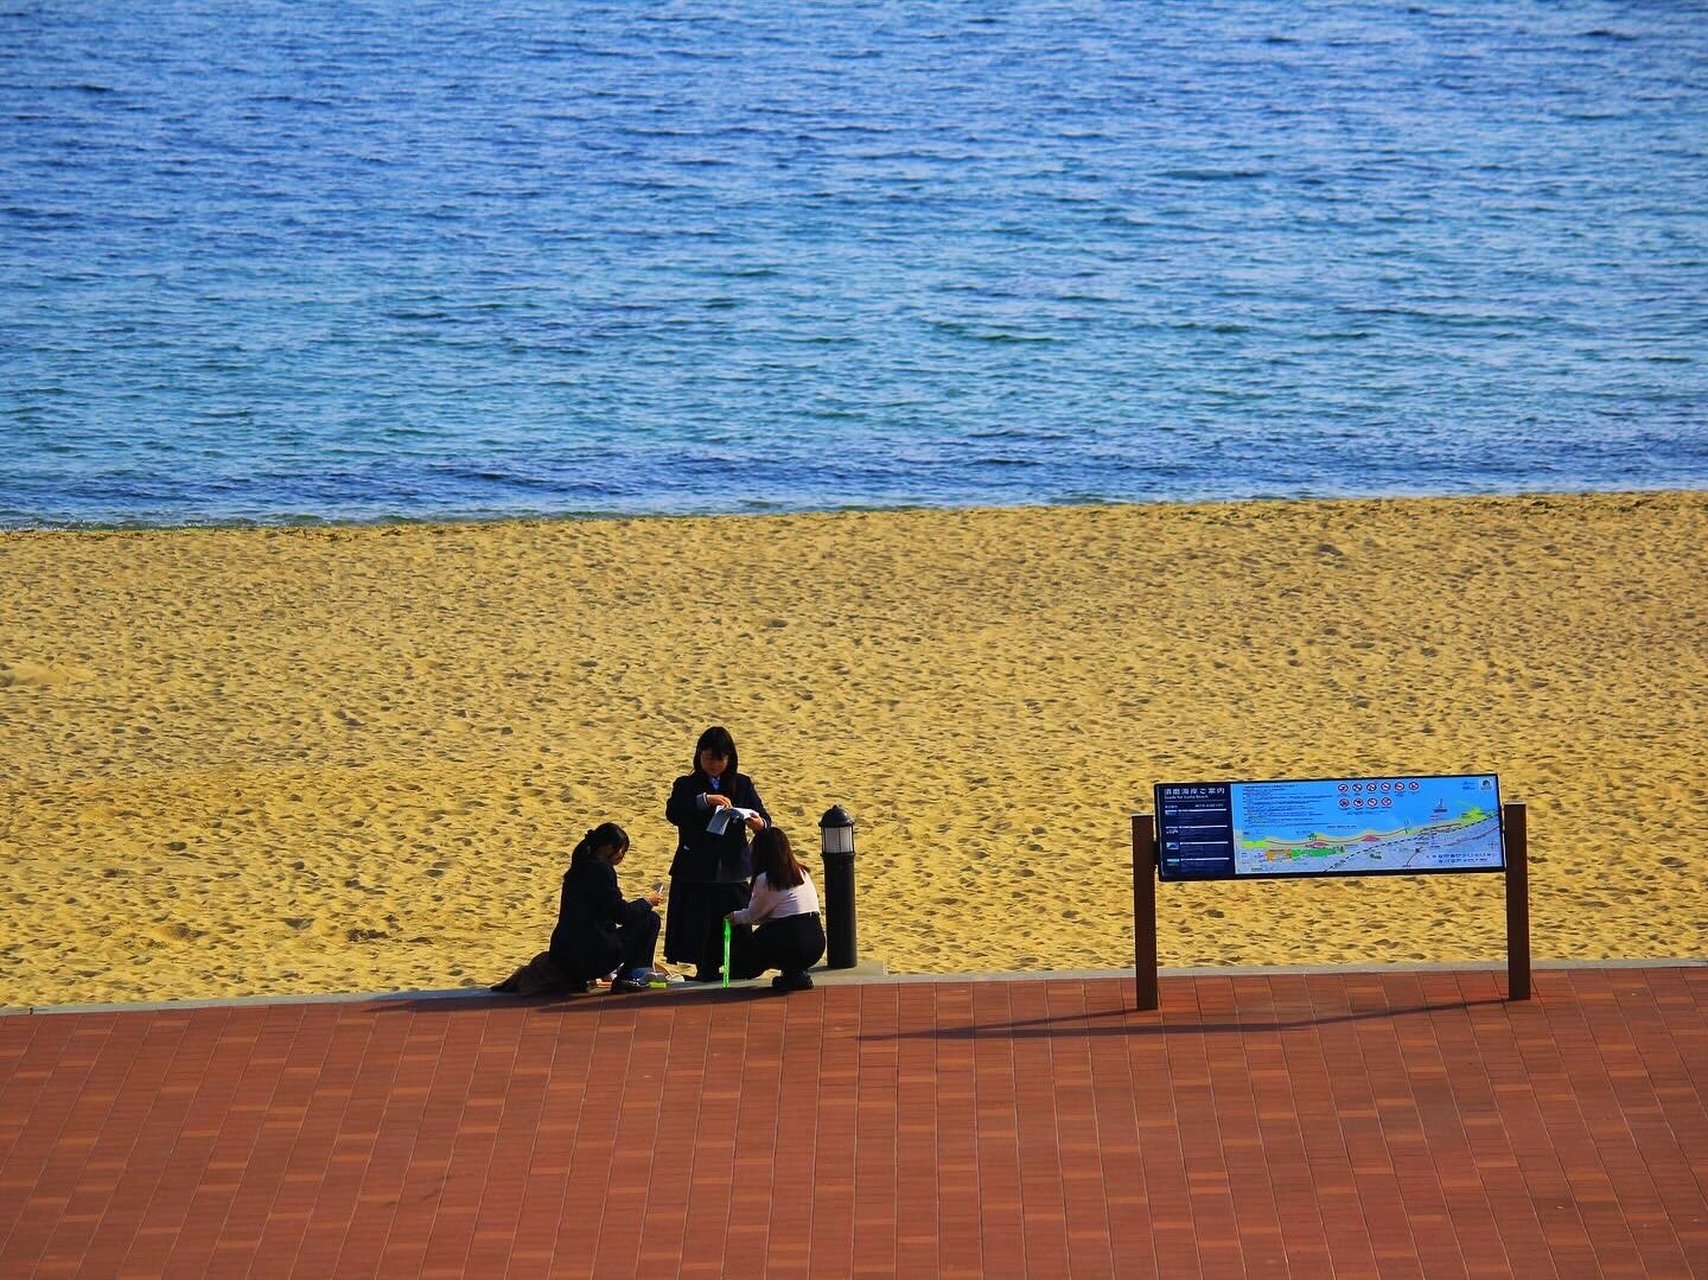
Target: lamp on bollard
column 836, row 839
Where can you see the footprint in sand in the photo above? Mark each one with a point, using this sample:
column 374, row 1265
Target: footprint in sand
column 21, row 673
column 177, row 932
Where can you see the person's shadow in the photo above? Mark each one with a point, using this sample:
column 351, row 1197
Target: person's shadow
column 677, row 995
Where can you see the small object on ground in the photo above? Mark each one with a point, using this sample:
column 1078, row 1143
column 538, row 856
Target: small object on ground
column 541, row 976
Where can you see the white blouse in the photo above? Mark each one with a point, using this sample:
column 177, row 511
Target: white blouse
column 777, row 904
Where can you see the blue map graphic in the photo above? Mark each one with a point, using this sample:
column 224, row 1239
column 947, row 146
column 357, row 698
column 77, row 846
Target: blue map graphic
column 1351, row 825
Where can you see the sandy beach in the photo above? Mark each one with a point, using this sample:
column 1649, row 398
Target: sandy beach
column 269, row 761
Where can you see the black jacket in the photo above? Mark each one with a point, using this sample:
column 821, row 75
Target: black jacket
column 585, row 942
column 700, row 855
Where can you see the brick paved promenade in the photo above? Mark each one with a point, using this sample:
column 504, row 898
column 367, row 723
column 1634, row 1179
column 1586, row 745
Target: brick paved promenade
column 1395, row 1124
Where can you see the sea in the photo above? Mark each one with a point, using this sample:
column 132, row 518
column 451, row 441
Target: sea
column 266, row 262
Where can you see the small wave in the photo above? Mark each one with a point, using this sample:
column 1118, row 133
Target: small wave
column 978, row 333
column 289, row 100
column 1214, row 175
column 1220, row 327
column 31, row 214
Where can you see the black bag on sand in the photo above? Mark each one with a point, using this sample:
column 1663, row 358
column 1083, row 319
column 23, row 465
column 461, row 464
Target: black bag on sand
column 539, row 977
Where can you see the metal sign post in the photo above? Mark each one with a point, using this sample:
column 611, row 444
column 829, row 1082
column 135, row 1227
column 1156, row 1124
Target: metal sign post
column 1516, row 840
column 1144, row 909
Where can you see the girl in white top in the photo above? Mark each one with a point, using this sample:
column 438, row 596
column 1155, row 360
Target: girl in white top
column 787, row 933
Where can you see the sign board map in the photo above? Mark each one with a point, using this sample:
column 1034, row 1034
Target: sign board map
column 1328, row 826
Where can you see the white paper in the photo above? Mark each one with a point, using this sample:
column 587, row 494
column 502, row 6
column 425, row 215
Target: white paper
column 722, row 818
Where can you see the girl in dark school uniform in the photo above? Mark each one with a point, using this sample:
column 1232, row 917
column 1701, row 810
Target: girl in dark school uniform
column 709, row 875
column 597, row 931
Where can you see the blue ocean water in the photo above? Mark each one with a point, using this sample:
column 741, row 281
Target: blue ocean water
column 270, row 262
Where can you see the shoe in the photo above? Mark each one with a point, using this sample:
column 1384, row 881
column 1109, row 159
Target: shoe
column 627, row 983
column 799, row 980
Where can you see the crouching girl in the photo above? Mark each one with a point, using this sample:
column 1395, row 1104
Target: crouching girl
column 597, row 931
column 788, row 933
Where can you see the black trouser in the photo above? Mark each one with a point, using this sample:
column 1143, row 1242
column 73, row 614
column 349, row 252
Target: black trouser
column 630, row 945
column 792, row 945
column 639, row 935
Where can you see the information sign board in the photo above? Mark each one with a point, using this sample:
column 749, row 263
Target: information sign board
column 1328, row 826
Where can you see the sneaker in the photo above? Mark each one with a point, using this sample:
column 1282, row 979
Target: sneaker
column 799, row 980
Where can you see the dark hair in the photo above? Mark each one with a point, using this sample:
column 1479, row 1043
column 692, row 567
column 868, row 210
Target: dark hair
column 773, row 857
column 719, row 743
column 604, row 836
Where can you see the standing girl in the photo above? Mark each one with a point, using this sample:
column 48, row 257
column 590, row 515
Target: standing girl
column 708, row 876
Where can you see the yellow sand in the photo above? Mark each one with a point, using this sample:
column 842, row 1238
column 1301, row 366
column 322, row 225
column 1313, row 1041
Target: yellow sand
column 355, row 759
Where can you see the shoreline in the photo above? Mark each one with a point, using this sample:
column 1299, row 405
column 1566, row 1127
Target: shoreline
column 249, row 524
column 309, row 759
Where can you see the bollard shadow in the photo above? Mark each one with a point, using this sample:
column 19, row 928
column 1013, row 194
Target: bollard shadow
column 1075, row 1024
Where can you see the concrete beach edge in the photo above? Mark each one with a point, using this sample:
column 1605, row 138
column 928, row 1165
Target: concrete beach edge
column 871, row 972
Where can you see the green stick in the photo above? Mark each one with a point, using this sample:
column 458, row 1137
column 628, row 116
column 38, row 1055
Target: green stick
column 726, row 951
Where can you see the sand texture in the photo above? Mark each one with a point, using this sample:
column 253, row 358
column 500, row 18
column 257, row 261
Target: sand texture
column 354, row 759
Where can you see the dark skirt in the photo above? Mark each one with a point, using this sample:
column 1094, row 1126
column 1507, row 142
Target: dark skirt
column 694, row 921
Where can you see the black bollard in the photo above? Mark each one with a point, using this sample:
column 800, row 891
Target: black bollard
column 836, row 838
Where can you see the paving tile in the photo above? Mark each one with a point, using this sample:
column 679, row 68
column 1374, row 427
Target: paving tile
column 1290, row 1124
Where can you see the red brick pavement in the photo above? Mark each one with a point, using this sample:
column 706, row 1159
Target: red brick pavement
column 1393, row 1124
